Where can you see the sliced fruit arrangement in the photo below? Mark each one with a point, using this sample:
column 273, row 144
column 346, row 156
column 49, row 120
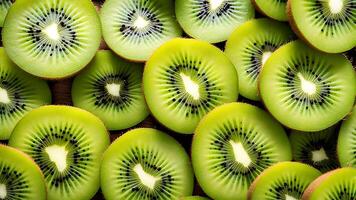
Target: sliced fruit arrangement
column 147, row 164
column 135, row 28
column 20, row 177
column 4, row 7
column 66, row 143
column 300, row 86
column 51, row 38
column 19, row 93
column 346, row 144
column 110, row 88
column 186, row 78
column 275, row 9
column 232, row 145
column 249, row 47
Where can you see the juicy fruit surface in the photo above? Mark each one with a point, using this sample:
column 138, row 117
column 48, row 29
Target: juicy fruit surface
column 275, row 9
column 4, row 7
column 66, row 143
column 20, row 177
column 146, row 163
column 346, row 144
column 111, row 89
column 232, row 145
column 298, row 85
column 52, row 38
column 185, row 79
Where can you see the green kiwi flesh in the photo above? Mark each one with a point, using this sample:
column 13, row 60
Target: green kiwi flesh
column 51, row 38
column 135, row 28
column 4, row 7
column 67, row 144
column 346, row 143
column 305, row 89
column 249, row 47
column 275, row 9
column 284, row 180
column 110, row 87
column 19, row 93
column 145, row 163
column 232, row 145
column 185, row 79
column 20, row 177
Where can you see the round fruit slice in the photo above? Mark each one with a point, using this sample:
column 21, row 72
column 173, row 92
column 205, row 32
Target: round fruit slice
column 305, row 89
column 232, row 145
column 4, row 7
column 186, row 78
column 111, row 88
column 52, row 38
column 337, row 184
column 284, row 180
column 19, row 93
column 275, row 9
column 346, row 145
column 147, row 164
column 67, row 144
column 326, row 25
column 212, row 20
column 20, row 177
column 135, row 28
column 249, row 47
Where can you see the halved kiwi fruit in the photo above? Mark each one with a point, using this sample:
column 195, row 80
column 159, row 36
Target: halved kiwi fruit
column 4, row 7
column 110, row 87
column 67, row 144
column 338, row 184
column 317, row 149
column 19, row 93
column 186, row 78
column 249, row 47
column 135, row 28
column 305, row 89
column 275, row 9
column 20, row 177
column 212, row 20
column 51, row 38
column 146, row 163
column 327, row 25
column 284, row 180
column 346, row 143
column 232, row 145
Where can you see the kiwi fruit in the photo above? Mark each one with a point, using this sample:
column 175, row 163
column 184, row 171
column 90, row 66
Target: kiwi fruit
column 135, row 28
column 232, row 145
column 20, row 177
column 305, row 89
column 212, row 20
column 346, row 142
column 194, row 198
column 19, row 93
column 328, row 26
column 4, row 7
column 67, row 144
column 338, row 184
column 275, row 9
column 185, row 79
column 249, row 47
column 284, row 180
column 317, row 149
column 110, row 88
column 146, row 163
column 51, row 38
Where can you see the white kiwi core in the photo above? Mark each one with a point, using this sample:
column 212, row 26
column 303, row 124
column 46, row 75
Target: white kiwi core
column 190, row 86
column 240, row 154
column 58, row 155
column 146, row 179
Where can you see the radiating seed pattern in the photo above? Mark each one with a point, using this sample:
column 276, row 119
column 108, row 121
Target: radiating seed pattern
column 16, row 183
column 6, row 3
column 342, row 189
column 291, row 185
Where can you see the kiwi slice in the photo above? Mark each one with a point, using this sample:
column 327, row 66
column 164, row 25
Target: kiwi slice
column 249, row 47
column 212, row 20
column 346, row 143
column 232, row 145
column 194, row 198
column 110, row 88
column 20, row 177
column 51, row 38
column 67, row 144
column 317, row 149
column 19, row 93
column 327, row 25
column 146, row 163
column 275, row 9
column 186, row 78
column 284, row 180
column 338, row 184
column 135, row 28
column 4, row 7
column 305, row 89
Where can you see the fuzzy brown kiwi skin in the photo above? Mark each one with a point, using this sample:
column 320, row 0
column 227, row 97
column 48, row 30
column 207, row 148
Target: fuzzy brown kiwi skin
column 253, row 185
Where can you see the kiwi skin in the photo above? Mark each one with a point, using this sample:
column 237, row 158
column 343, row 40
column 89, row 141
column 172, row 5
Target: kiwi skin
column 263, row 13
